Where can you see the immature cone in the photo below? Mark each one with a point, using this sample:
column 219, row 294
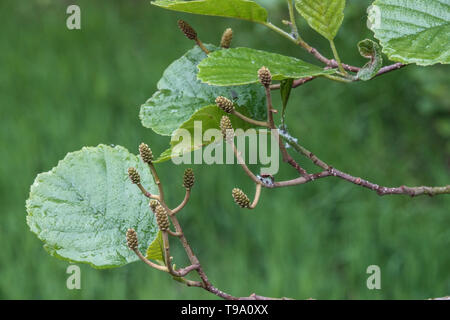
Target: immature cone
column 188, row 179
column 240, row 198
column 188, row 31
column 225, row 104
column 132, row 240
column 226, row 38
column 161, row 218
column 226, row 128
column 153, row 205
column 264, row 76
column 134, row 175
column 146, row 153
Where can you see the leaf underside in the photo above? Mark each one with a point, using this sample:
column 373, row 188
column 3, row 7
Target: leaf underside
column 414, row 31
column 180, row 94
column 204, row 118
column 82, row 208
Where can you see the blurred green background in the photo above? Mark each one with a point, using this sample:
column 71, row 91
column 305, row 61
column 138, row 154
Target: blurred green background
column 61, row 90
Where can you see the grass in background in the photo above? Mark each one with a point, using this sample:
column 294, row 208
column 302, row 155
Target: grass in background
column 61, row 90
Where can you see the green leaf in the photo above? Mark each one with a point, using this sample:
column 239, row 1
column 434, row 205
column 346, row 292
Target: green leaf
column 209, row 117
column 324, row 16
column 82, row 208
column 240, row 9
column 180, row 94
column 412, row 31
column 285, row 92
column 240, row 66
column 371, row 50
column 156, row 249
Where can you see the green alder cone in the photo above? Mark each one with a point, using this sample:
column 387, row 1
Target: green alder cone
column 240, row 198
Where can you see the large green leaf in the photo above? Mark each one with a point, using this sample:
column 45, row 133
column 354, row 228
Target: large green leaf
column 415, row 31
column 240, row 66
column 180, row 94
column 209, row 118
column 324, row 16
column 82, row 208
column 241, row 9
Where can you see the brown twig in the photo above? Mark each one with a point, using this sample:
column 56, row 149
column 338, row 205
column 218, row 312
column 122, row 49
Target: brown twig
column 257, row 196
column 173, row 233
column 146, row 193
column 150, row 263
column 330, row 63
column 241, row 161
column 384, row 70
column 157, row 181
column 183, row 203
column 296, row 83
column 390, row 68
column 249, row 120
column 330, row 171
column 195, row 264
column 285, row 154
column 202, row 46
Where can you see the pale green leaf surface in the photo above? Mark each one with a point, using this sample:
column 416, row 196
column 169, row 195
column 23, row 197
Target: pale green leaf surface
column 240, row 9
column 324, row 16
column 155, row 250
column 82, row 208
column 240, row 66
column 413, row 31
column 371, row 50
column 209, row 118
column 180, row 94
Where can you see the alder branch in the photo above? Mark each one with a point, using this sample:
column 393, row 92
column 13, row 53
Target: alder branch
column 390, row 68
column 286, row 157
column 244, row 166
column 330, row 171
column 183, row 203
column 296, row 83
column 302, row 81
column 257, row 196
column 195, row 263
column 330, row 63
column 148, row 262
column 249, row 120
